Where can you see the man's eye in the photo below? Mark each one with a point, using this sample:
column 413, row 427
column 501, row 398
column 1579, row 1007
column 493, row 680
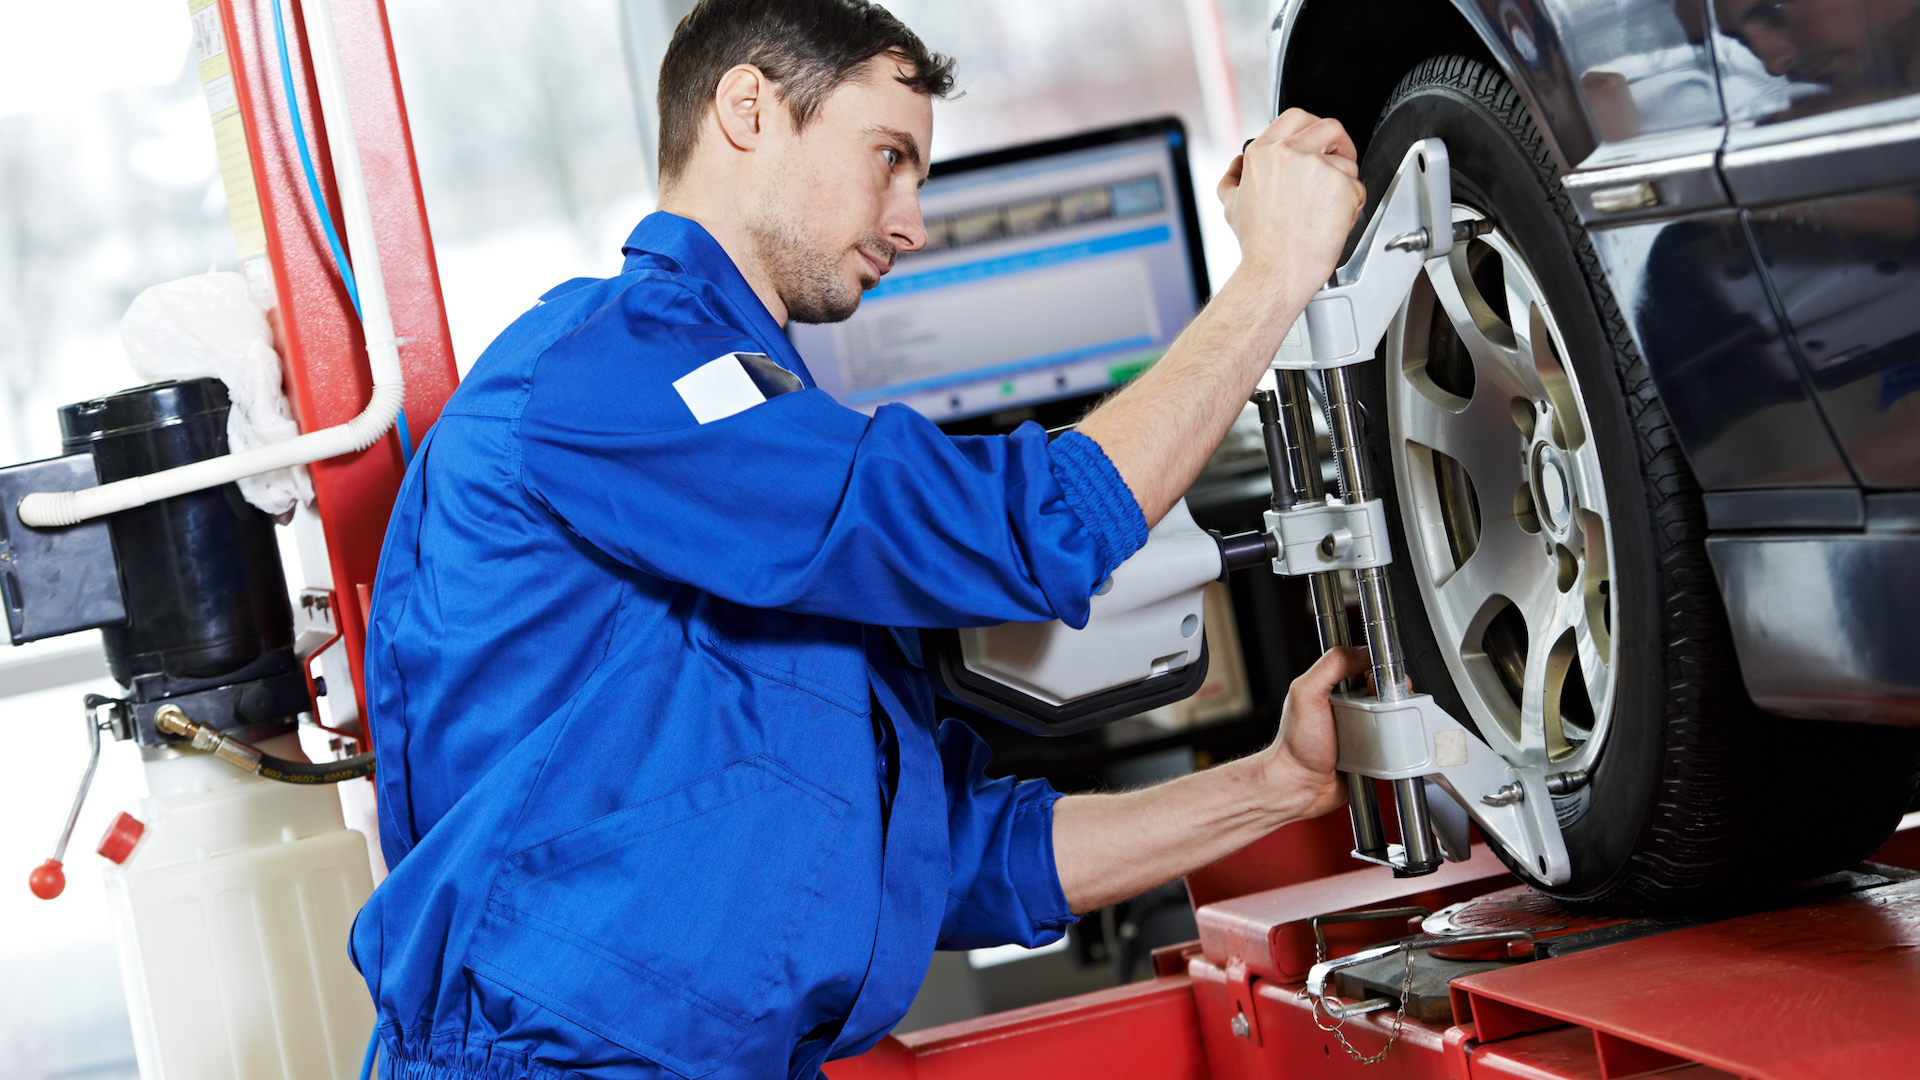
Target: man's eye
column 892, row 156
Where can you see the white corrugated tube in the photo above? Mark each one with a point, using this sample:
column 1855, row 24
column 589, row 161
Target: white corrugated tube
column 46, row 509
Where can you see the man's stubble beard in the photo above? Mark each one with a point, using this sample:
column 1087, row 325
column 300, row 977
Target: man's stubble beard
column 806, row 278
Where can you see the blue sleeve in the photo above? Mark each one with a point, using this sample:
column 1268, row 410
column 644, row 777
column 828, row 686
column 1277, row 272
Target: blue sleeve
column 1004, row 887
column 800, row 504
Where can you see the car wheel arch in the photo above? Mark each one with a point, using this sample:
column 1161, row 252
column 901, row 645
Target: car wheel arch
column 1327, row 57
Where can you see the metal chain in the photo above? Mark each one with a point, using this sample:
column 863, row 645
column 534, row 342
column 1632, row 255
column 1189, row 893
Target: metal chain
column 1399, row 1015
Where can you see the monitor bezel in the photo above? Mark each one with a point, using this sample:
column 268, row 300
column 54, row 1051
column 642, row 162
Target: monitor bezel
column 1173, row 135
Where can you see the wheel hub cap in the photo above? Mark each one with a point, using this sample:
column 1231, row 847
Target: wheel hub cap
column 1551, row 491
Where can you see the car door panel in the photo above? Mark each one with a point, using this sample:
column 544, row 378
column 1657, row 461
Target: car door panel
column 1823, row 155
column 1698, row 310
column 1846, row 271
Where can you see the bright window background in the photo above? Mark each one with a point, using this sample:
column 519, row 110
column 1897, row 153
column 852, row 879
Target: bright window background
column 107, row 185
column 534, row 162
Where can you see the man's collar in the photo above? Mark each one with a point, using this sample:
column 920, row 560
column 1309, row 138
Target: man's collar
column 693, row 251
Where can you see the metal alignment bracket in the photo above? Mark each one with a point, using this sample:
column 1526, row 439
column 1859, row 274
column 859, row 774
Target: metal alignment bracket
column 1324, row 967
column 1332, row 536
column 1414, row 223
column 1399, row 740
column 1321, row 974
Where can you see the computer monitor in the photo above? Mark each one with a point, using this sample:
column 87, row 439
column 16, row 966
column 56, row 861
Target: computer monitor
column 1052, row 272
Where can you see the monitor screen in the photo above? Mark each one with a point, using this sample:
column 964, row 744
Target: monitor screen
column 1051, row 271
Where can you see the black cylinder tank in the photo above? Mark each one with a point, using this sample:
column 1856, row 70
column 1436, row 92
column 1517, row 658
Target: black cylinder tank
column 206, row 593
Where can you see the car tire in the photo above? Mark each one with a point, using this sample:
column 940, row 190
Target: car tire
column 1695, row 797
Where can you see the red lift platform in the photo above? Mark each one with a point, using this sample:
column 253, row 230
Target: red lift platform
column 1827, row 987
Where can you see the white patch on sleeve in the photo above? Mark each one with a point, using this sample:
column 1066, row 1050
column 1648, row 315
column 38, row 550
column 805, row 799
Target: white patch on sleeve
column 718, row 388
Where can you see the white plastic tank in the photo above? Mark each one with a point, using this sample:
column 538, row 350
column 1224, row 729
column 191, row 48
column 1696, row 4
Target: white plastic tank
column 232, row 916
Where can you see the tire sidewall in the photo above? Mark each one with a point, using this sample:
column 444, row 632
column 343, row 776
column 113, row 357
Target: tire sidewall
column 1495, row 172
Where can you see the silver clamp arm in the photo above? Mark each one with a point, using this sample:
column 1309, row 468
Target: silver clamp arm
column 1414, row 223
column 1331, row 536
column 1414, row 737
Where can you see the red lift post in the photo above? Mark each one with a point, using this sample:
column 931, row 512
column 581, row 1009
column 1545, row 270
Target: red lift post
column 319, row 339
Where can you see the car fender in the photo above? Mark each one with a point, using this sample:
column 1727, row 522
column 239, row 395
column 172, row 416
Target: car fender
column 1523, row 38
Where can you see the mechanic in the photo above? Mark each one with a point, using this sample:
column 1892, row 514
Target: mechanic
column 661, row 783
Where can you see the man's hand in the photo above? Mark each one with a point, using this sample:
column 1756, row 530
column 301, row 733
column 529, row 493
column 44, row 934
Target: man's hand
column 1109, row 848
column 1291, row 198
column 1300, row 762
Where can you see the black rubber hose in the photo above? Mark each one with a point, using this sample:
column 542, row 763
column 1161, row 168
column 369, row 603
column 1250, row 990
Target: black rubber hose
column 319, row 772
column 172, row 721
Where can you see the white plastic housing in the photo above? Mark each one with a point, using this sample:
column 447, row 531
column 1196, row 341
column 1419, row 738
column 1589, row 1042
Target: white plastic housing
column 1147, row 619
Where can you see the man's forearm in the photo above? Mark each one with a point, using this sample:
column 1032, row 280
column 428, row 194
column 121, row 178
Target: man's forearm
column 1109, row 848
column 1160, row 431
column 1290, row 197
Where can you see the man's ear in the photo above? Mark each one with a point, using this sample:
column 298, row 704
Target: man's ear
column 741, row 103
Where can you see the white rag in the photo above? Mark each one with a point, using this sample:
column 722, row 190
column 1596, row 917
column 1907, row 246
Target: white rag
column 209, row 325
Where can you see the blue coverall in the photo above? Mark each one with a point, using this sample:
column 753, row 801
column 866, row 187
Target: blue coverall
column 628, row 637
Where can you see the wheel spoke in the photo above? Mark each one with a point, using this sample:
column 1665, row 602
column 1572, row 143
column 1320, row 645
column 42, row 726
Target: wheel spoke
column 1571, row 430
column 1480, row 437
column 1522, row 313
column 1533, row 703
column 1547, row 623
column 1508, row 563
column 1594, row 668
column 1498, row 356
column 1595, row 637
column 1589, row 490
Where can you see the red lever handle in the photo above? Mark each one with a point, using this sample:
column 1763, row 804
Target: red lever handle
column 48, row 880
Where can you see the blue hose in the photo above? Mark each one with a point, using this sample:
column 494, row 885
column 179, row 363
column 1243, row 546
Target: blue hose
column 326, row 217
column 373, row 1048
column 306, row 161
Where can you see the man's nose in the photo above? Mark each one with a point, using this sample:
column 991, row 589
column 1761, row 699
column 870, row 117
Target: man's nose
column 1775, row 50
column 906, row 229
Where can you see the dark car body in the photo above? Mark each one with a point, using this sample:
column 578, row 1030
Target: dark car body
column 1748, row 172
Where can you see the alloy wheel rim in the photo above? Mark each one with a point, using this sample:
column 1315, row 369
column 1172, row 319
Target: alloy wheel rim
column 1504, row 507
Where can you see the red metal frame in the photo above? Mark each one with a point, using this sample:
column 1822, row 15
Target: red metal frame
column 1112, row 1033
column 1827, row 990
column 1268, row 933
column 327, row 378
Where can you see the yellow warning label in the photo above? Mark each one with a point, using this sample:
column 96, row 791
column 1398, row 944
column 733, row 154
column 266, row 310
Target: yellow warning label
column 229, row 131
column 236, row 172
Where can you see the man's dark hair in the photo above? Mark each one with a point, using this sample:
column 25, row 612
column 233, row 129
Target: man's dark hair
column 807, row 47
